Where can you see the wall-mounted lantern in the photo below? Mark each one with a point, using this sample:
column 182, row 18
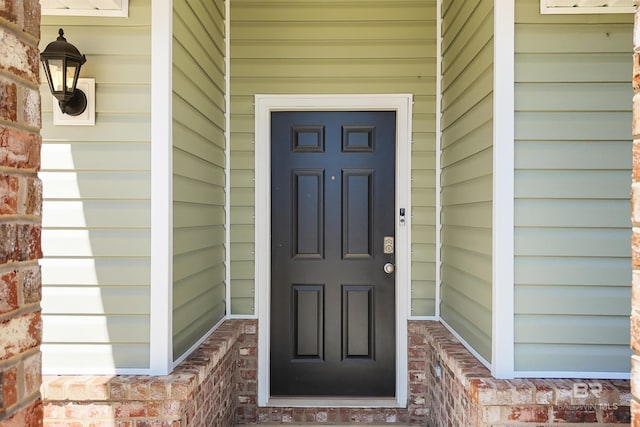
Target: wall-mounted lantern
column 62, row 62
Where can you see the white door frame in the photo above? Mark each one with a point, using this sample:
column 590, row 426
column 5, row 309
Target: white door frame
column 264, row 105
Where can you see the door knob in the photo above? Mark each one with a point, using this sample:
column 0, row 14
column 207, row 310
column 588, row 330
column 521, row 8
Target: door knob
column 389, row 268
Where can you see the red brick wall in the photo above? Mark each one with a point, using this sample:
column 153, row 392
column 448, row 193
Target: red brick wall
column 217, row 387
column 414, row 414
column 462, row 392
column 201, row 392
column 20, row 218
column 635, row 217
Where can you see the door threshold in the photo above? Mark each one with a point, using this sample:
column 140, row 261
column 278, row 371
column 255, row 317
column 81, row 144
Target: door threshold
column 333, row 402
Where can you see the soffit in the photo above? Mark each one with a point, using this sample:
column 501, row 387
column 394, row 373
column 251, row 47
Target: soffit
column 115, row 8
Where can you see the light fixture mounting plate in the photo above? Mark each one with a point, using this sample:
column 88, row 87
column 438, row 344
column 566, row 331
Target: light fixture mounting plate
column 86, row 118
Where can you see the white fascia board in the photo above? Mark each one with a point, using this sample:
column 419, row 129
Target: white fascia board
column 161, row 321
column 503, row 352
column 101, row 8
column 97, row 370
column 573, row 375
column 562, row 7
column 584, row 10
column 424, row 318
column 242, row 316
column 466, row 345
column 198, row 343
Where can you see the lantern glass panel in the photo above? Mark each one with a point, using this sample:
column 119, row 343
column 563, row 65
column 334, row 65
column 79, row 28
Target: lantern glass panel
column 72, row 69
column 57, row 74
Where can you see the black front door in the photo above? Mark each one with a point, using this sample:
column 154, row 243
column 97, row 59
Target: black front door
column 332, row 232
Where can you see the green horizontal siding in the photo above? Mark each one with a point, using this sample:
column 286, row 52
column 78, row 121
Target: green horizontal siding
column 467, row 171
column 91, row 358
column 572, row 183
column 536, row 357
column 319, row 47
column 96, row 207
column 199, row 295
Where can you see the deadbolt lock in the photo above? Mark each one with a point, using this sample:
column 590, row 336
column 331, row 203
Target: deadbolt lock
column 388, row 245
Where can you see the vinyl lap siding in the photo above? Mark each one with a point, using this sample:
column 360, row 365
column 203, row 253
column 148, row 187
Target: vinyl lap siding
column 467, row 170
column 198, row 171
column 573, row 145
column 334, row 46
column 96, row 208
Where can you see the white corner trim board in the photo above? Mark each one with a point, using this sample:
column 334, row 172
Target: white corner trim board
column 502, row 352
column 161, row 318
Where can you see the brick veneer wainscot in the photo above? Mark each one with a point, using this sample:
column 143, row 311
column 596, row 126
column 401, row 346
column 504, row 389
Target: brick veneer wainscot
column 414, row 414
column 20, row 214
column 217, row 386
column 200, row 392
column 462, row 392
